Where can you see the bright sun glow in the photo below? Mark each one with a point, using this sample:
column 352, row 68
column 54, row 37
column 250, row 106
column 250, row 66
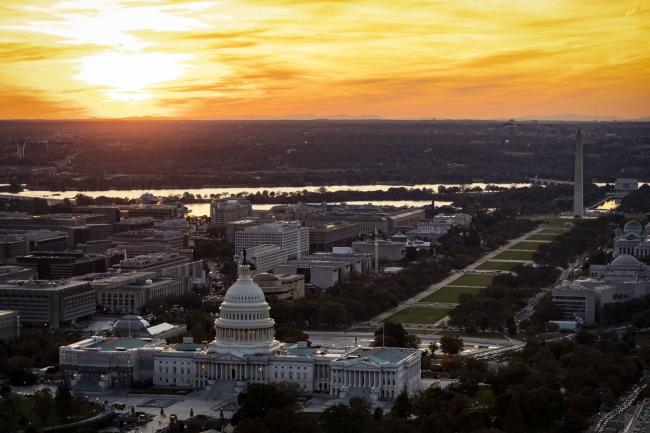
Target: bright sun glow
column 129, row 76
column 322, row 58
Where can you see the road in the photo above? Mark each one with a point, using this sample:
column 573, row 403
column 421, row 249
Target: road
column 529, row 309
column 454, row 275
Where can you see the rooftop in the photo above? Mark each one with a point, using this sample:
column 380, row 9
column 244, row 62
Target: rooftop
column 380, row 355
column 41, row 284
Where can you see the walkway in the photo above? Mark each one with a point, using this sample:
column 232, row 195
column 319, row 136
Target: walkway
column 413, row 301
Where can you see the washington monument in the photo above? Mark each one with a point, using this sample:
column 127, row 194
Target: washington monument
column 578, row 205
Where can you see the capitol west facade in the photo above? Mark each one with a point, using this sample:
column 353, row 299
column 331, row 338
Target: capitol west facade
column 245, row 351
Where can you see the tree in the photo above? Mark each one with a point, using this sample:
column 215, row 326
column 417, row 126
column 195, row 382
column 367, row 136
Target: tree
column 513, row 421
column 250, row 426
column 332, row 314
column 341, row 419
column 63, row 400
column 259, row 398
column 402, row 406
column 360, row 406
column 451, row 345
column 394, row 335
column 43, row 406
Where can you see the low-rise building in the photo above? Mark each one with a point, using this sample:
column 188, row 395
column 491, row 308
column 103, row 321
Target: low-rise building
column 16, row 243
column 9, row 273
column 128, row 292
column 323, row 270
column 169, row 264
column 281, row 286
column 388, row 251
column 578, row 303
column 148, row 241
column 133, row 223
column 9, row 325
column 158, row 212
column 624, row 279
column 98, row 363
column 67, row 264
column 335, row 234
column 48, row 303
column 624, row 185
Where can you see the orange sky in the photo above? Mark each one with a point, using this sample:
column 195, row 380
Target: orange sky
column 324, row 58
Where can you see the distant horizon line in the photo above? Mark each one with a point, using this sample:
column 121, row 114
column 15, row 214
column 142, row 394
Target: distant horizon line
column 565, row 118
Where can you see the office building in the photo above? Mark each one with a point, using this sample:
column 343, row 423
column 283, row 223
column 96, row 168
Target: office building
column 388, row 251
column 133, row 224
column 171, row 265
column 291, row 237
column 48, row 303
column 281, row 286
column 578, row 303
column 263, row 258
column 128, row 292
column 9, row 325
column 226, row 211
column 369, row 218
column 67, row 264
column 148, row 241
column 95, row 247
column 16, row 242
column 236, row 226
column 9, row 273
column 323, row 270
column 336, row 234
column 158, row 212
column 111, row 212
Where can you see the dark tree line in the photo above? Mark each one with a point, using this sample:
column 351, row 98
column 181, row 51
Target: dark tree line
column 638, row 201
column 589, row 236
column 494, row 307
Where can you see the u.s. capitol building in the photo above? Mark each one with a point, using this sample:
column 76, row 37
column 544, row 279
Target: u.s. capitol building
column 244, row 351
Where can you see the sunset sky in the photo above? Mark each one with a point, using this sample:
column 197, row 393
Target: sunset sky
column 299, row 59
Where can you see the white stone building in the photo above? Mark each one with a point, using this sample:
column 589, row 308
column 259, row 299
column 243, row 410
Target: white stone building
column 245, row 351
column 291, row 237
column 264, row 257
column 634, row 240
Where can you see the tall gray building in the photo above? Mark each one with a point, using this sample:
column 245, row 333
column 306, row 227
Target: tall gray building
column 578, row 204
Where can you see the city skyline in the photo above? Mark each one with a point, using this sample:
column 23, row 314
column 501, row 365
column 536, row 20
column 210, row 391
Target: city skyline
column 326, row 59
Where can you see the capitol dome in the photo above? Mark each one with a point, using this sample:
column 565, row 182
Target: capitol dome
column 626, row 260
column 244, row 325
column 633, row 226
